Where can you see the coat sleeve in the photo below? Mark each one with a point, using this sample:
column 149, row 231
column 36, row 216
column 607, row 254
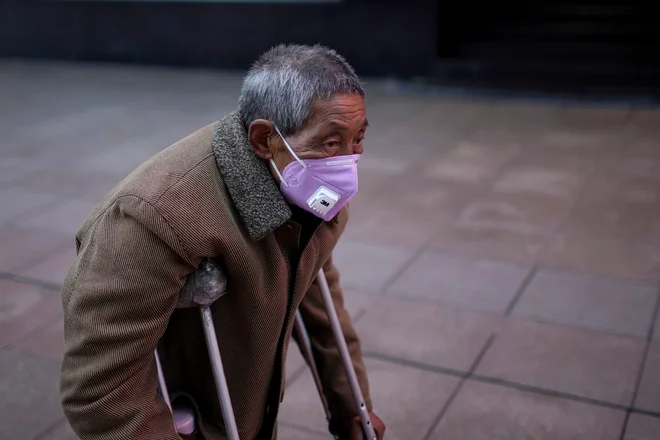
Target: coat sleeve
column 117, row 300
column 324, row 346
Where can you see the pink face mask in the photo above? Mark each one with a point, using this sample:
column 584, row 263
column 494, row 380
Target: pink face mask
column 320, row 186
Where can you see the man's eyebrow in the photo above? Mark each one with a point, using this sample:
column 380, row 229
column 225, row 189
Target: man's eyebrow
column 337, row 125
column 366, row 123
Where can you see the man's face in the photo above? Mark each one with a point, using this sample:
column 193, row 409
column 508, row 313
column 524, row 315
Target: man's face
column 336, row 127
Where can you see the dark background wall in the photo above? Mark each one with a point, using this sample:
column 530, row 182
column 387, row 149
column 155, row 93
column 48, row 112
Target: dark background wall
column 576, row 46
column 601, row 46
column 378, row 37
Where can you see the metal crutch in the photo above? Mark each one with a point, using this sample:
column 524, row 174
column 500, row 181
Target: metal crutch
column 202, row 288
column 308, row 354
column 183, row 418
column 306, row 347
column 358, row 398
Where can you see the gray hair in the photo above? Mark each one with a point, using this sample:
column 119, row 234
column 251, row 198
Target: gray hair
column 283, row 84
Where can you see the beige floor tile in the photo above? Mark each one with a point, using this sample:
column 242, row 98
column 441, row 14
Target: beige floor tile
column 48, row 341
column 491, row 241
column 491, row 412
column 24, row 308
column 578, row 362
column 66, row 217
column 31, row 402
column 605, row 255
column 368, row 267
column 600, row 303
column 441, row 336
column 487, row 285
column 23, row 245
column 54, row 267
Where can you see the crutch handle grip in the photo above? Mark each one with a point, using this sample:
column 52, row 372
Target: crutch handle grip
column 204, row 286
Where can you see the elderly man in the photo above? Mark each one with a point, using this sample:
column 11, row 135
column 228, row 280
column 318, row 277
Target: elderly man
column 264, row 191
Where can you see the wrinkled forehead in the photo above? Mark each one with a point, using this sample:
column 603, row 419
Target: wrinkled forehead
column 340, row 112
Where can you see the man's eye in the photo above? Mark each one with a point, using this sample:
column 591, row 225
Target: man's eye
column 333, row 144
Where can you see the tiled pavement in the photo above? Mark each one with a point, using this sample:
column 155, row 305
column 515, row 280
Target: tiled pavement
column 502, row 263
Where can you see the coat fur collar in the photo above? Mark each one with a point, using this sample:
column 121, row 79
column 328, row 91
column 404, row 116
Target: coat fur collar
column 250, row 184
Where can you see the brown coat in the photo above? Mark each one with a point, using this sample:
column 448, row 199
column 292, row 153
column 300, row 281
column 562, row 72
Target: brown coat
column 208, row 195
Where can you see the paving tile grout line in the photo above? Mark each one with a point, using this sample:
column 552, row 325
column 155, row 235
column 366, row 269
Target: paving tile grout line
column 31, row 281
column 44, row 257
column 646, row 412
column 384, row 288
column 459, row 387
column 444, row 409
column 640, row 373
column 521, row 290
column 553, row 393
column 414, row 364
column 530, row 318
column 563, row 324
column 654, row 318
column 481, row 354
column 506, row 383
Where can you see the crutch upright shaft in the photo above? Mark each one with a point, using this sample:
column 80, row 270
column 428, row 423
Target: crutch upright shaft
column 308, row 354
column 202, row 288
column 219, row 374
column 367, row 427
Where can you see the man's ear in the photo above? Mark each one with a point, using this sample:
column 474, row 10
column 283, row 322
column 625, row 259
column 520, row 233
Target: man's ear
column 260, row 133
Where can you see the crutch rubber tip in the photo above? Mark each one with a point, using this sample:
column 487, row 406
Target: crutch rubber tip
column 184, row 419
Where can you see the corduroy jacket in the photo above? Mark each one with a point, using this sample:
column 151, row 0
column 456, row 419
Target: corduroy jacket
column 207, row 196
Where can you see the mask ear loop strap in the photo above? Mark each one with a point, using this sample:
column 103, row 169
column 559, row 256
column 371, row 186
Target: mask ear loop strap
column 272, row 162
column 295, row 156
